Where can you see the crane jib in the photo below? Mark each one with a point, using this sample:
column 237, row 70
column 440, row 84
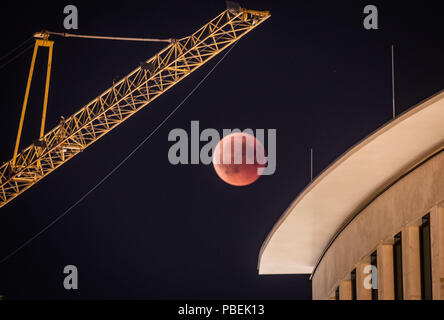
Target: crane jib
column 133, row 92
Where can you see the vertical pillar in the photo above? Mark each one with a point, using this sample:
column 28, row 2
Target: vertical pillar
column 25, row 103
column 386, row 281
column 363, row 293
column 345, row 290
column 411, row 263
column 437, row 251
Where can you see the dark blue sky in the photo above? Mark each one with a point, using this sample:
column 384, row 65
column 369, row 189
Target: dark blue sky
column 158, row 231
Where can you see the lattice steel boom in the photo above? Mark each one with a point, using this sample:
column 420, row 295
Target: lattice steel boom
column 123, row 99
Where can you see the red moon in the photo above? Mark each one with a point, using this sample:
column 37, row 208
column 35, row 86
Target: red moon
column 239, row 166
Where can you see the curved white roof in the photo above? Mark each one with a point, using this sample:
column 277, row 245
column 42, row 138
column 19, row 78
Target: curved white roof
column 303, row 232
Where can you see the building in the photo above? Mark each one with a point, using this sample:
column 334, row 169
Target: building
column 380, row 204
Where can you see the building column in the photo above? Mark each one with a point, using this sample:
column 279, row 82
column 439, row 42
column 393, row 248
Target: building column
column 437, row 251
column 361, row 292
column 386, row 281
column 345, row 290
column 411, row 263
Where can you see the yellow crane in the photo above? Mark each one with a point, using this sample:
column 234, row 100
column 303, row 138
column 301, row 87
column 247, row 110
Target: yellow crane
column 133, row 92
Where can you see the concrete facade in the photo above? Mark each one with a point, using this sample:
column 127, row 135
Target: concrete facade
column 411, row 263
column 299, row 237
column 437, row 248
column 345, row 290
column 363, row 292
column 397, row 209
column 386, row 282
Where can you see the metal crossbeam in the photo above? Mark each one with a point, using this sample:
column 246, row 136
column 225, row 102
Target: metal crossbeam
column 124, row 99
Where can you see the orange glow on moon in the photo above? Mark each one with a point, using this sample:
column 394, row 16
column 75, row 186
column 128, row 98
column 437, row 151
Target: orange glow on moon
column 251, row 158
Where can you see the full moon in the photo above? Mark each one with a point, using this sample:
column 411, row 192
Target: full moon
column 239, row 166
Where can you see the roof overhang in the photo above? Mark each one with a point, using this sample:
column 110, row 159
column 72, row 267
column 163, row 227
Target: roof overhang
column 302, row 234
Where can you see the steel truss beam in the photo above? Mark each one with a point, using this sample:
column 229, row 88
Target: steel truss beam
column 124, row 99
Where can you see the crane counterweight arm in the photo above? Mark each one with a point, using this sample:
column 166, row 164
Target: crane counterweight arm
column 44, row 34
column 143, row 85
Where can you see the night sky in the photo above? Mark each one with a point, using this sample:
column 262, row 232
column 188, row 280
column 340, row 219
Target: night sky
column 158, row 231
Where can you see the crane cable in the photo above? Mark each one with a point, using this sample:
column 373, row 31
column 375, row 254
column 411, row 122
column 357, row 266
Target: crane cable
column 53, row 222
column 70, row 35
column 20, row 45
column 16, row 55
